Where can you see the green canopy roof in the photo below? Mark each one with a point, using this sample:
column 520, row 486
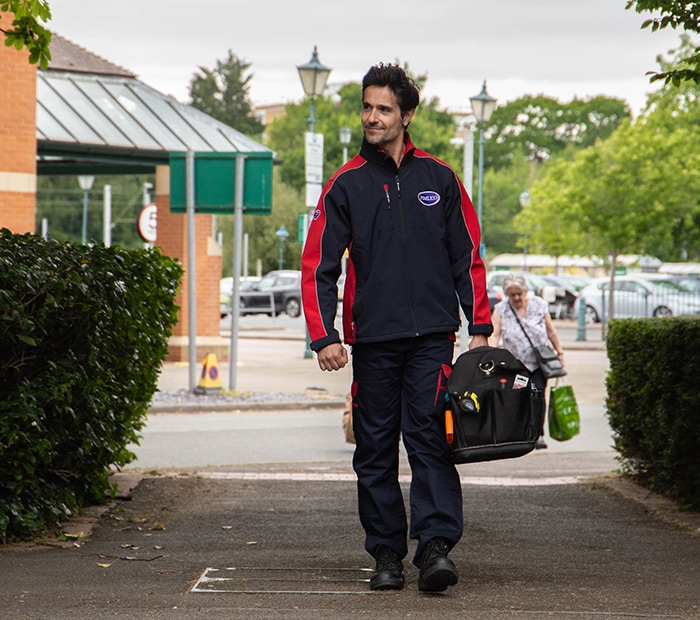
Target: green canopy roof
column 93, row 117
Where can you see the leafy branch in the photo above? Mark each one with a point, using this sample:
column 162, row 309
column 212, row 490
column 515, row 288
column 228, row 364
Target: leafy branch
column 27, row 30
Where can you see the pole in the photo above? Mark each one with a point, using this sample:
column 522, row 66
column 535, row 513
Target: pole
column 481, row 175
column 245, row 255
column 237, row 243
column 191, row 269
column 468, row 181
column 308, row 353
column 312, row 110
column 581, row 328
column 107, row 216
column 85, row 216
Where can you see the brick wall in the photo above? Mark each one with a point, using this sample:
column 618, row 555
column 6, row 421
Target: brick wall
column 17, row 138
column 172, row 239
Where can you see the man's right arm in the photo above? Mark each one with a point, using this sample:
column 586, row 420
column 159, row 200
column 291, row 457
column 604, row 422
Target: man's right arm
column 327, row 238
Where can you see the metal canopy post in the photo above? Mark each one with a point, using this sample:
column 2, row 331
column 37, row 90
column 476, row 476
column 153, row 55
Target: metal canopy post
column 191, row 267
column 237, row 245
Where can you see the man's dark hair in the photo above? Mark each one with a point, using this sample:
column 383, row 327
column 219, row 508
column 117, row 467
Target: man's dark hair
column 393, row 76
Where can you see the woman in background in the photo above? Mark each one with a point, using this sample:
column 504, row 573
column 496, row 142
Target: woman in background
column 533, row 313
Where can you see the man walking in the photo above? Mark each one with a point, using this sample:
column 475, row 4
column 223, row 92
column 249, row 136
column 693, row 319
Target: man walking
column 413, row 241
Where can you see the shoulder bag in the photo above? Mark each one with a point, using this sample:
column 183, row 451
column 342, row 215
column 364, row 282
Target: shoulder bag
column 547, row 358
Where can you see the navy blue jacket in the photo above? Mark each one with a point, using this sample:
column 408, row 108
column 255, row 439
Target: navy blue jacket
column 413, row 241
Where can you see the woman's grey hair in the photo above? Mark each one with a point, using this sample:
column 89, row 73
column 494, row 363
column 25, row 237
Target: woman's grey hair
column 514, row 279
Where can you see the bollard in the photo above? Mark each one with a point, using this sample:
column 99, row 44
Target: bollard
column 581, row 333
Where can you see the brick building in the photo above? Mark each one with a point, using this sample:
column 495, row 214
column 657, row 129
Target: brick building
column 85, row 115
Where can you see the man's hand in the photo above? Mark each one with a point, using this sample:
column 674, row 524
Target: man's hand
column 478, row 341
column 332, row 357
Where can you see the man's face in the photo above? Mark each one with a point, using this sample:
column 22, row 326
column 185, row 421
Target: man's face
column 382, row 122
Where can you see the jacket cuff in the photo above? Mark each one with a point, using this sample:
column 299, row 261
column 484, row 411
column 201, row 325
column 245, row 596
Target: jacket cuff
column 317, row 345
column 481, row 330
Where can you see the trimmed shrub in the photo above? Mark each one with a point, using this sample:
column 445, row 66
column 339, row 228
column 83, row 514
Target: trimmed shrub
column 653, row 403
column 83, row 334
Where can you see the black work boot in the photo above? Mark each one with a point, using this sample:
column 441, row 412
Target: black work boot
column 389, row 572
column 437, row 571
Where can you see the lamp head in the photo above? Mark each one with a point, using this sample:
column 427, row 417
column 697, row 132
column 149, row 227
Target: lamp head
column 282, row 234
column 483, row 105
column 86, row 182
column 525, row 199
column 313, row 75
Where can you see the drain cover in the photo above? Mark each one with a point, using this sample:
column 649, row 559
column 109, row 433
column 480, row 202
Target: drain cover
column 254, row 580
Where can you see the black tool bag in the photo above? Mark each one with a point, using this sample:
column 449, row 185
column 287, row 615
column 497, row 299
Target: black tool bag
column 493, row 409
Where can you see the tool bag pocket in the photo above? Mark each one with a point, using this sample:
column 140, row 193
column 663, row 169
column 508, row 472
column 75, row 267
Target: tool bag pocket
column 493, row 409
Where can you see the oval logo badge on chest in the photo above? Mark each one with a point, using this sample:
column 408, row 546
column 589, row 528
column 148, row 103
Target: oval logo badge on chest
column 428, row 198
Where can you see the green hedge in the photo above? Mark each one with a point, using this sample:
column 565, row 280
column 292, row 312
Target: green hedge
column 83, row 334
column 653, row 403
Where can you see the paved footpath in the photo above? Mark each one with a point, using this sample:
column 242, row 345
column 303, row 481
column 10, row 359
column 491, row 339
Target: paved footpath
column 554, row 534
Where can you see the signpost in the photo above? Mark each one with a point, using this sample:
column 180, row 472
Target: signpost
column 219, row 183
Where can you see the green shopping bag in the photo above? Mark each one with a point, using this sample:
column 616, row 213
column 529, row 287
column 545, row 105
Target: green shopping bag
column 563, row 415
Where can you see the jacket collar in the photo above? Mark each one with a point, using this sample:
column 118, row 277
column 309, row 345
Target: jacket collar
column 371, row 153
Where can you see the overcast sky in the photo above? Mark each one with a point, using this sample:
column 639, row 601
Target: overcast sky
column 559, row 48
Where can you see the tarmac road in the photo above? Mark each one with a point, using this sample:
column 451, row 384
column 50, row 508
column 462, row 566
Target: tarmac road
column 234, row 529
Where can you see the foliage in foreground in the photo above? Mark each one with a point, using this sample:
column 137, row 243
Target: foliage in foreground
column 652, row 403
column 83, row 334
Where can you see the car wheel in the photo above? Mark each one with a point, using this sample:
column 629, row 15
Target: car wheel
column 663, row 311
column 591, row 315
column 293, row 307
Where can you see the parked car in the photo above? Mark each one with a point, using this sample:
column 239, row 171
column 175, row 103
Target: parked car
column 688, row 283
column 275, row 293
column 495, row 295
column 643, row 295
column 226, row 292
column 570, row 285
column 554, row 295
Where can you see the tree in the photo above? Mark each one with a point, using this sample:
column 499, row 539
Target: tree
column 222, row 93
column 26, row 29
column 676, row 14
column 630, row 194
column 679, row 98
column 59, row 201
column 431, row 129
column 288, row 204
column 539, row 128
column 550, row 223
column 501, row 205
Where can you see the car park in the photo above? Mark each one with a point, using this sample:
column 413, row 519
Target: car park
column 495, row 295
column 277, row 292
column 226, row 292
column 554, row 295
column 637, row 296
column 570, row 286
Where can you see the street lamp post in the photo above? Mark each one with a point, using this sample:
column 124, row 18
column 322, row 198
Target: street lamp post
column 281, row 235
column 85, row 183
column 345, row 137
column 483, row 106
column 313, row 76
column 525, row 201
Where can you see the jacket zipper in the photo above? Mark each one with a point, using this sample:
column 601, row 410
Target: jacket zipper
column 404, row 242
column 388, row 204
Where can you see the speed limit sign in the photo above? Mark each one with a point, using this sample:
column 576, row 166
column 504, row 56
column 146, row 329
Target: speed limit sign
column 146, row 223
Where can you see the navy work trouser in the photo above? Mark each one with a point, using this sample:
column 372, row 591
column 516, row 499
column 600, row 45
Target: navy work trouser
column 399, row 389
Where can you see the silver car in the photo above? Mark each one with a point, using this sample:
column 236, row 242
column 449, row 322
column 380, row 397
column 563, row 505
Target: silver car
column 643, row 295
